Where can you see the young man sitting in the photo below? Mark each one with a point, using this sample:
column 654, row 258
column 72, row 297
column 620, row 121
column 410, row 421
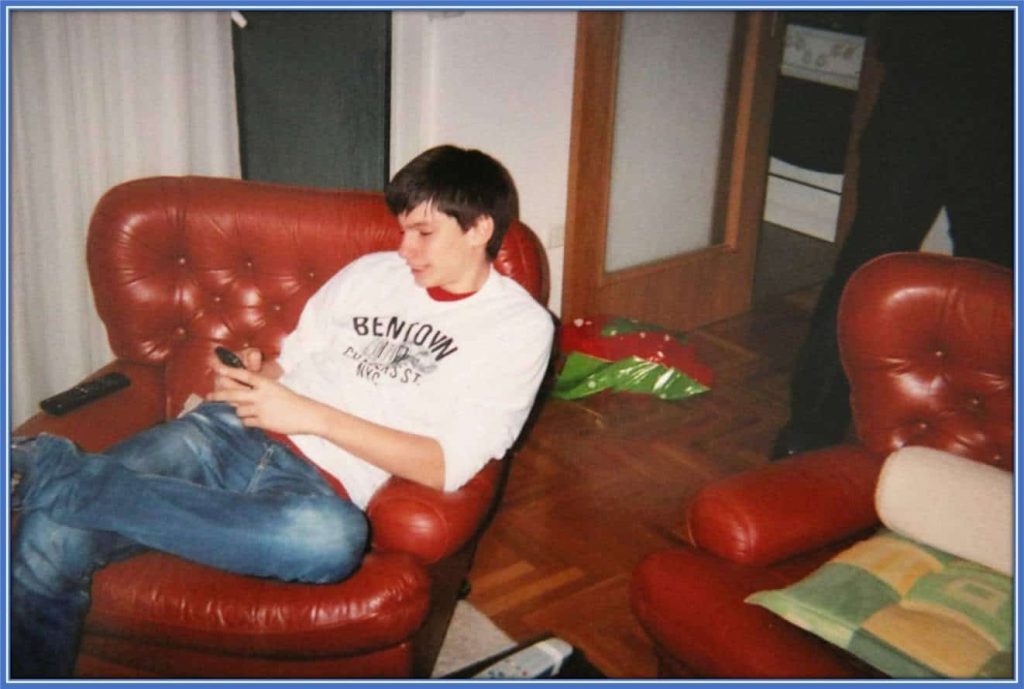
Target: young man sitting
column 421, row 363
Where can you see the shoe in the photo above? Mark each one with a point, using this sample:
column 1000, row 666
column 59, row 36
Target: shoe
column 793, row 440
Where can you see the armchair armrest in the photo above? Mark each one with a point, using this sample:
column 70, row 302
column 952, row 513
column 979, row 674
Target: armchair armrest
column 105, row 421
column 429, row 523
column 783, row 509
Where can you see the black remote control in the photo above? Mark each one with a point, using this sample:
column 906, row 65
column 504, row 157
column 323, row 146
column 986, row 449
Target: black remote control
column 228, row 358
column 83, row 393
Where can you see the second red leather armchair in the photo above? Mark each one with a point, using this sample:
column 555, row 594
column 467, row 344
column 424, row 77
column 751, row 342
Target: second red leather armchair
column 927, row 344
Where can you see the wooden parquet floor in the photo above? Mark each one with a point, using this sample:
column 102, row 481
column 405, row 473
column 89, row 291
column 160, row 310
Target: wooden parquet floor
column 599, row 483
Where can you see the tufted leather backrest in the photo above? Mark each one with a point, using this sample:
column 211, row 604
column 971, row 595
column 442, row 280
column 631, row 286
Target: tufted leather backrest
column 178, row 264
column 927, row 344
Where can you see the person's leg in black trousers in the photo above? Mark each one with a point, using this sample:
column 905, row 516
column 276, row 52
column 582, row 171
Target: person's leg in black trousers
column 900, row 192
column 941, row 135
column 980, row 199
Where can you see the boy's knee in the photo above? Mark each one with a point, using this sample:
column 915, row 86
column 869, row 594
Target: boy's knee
column 332, row 536
column 50, row 558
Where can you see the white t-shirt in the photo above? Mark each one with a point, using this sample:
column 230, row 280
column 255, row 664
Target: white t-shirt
column 465, row 373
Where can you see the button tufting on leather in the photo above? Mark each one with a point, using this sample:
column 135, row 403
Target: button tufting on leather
column 180, row 333
column 921, row 426
column 939, row 353
column 182, row 260
column 248, row 263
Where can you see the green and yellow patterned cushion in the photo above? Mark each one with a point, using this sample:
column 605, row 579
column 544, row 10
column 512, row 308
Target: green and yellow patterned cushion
column 907, row 609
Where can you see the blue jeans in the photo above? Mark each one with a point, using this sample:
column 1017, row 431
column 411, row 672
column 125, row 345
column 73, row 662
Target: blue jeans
column 202, row 487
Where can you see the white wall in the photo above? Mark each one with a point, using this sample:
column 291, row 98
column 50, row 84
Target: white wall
column 497, row 81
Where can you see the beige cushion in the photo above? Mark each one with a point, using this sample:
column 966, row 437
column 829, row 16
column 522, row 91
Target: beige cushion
column 954, row 504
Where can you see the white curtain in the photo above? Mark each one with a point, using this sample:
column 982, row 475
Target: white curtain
column 98, row 98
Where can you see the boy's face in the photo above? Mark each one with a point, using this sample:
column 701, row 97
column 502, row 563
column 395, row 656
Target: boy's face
column 440, row 254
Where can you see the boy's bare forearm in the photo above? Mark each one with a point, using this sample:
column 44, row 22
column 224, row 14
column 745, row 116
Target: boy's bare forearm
column 263, row 402
column 411, row 456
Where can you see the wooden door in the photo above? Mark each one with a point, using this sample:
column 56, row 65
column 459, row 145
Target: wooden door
column 696, row 286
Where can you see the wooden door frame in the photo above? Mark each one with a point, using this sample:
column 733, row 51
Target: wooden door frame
column 590, row 155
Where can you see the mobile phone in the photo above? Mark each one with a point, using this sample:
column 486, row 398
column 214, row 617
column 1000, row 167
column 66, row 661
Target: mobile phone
column 228, row 358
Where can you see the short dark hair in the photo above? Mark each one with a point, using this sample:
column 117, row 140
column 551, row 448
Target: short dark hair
column 465, row 184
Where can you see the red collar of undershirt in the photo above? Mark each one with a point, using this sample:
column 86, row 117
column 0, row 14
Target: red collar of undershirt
column 441, row 294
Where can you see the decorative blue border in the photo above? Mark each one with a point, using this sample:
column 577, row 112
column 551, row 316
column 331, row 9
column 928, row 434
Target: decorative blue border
column 507, row 4
column 7, row 5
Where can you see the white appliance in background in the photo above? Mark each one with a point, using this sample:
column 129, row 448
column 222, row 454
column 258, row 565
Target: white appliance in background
column 808, row 200
column 799, row 198
column 803, row 200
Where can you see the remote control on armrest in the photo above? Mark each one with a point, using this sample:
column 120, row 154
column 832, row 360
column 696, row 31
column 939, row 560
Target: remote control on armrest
column 86, row 392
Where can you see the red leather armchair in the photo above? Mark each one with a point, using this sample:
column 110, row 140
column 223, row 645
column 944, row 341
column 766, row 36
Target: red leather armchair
column 178, row 265
column 927, row 344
